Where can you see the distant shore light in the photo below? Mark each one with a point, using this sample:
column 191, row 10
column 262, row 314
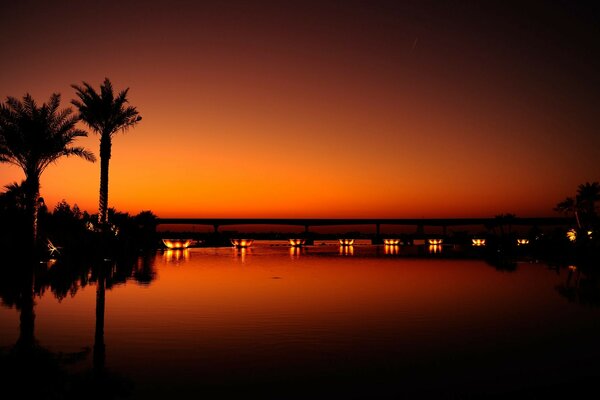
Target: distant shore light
column 478, row 242
column 242, row 243
column 177, row 243
column 391, row 242
column 522, row 242
column 297, row 242
column 435, row 241
column 346, row 242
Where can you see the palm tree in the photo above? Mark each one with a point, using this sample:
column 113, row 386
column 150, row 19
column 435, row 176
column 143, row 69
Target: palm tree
column 587, row 196
column 105, row 114
column 32, row 138
column 583, row 206
column 569, row 206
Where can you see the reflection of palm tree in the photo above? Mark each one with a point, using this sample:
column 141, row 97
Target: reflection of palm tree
column 28, row 368
column 32, row 138
column 105, row 114
column 99, row 347
column 26, row 340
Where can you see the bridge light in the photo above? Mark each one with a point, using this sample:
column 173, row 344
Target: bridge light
column 242, row 243
column 297, row 242
column 346, row 242
column 435, row 241
column 177, row 243
column 478, row 242
column 391, row 242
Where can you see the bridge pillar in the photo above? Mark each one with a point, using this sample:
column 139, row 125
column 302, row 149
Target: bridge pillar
column 377, row 238
column 216, row 228
column 309, row 239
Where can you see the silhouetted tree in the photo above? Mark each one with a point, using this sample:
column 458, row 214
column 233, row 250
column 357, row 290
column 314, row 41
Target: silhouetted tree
column 32, row 138
column 583, row 206
column 502, row 220
column 105, row 114
column 587, row 196
column 14, row 196
column 569, row 207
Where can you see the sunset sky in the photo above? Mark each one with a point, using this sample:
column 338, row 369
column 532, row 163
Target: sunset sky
column 321, row 109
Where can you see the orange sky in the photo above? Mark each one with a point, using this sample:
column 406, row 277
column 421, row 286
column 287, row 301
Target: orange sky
column 350, row 109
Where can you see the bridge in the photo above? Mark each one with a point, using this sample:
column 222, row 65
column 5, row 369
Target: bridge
column 419, row 223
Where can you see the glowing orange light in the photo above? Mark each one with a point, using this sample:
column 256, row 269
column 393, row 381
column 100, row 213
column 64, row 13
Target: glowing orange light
column 297, row 242
column 241, row 253
column 242, row 243
column 392, row 249
column 346, row 242
column 391, row 242
column 435, row 248
column 296, row 251
column 572, row 268
column 177, row 243
column 347, row 250
column 176, row 254
column 478, row 242
column 435, row 241
column 522, row 242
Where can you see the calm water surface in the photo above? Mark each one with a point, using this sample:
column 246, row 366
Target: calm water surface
column 321, row 322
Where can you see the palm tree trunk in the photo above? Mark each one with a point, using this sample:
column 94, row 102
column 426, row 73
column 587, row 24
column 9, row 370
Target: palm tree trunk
column 105, row 146
column 32, row 190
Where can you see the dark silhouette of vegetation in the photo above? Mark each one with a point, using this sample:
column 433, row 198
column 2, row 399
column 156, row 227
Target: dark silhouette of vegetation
column 105, row 114
column 32, row 137
column 583, row 206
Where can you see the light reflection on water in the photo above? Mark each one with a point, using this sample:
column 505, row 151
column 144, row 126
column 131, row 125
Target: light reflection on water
column 355, row 314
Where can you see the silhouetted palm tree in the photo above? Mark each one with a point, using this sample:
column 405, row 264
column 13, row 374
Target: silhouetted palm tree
column 569, row 206
column 14, row 195
column 32, row 138
column 105, row 114
column 587, row 196
column 583, row 206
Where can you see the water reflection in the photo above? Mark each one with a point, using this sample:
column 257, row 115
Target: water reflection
column 241, row 253
column 35, row 371
column 145, row 270
column 391, row 249
column 296, row 252
column 580, row 286
column 352, row 316
column 176, row 256
column 347, row 250
column 435, row 248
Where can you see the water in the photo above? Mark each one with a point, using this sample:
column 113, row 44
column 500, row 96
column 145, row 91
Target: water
column 315, row 322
